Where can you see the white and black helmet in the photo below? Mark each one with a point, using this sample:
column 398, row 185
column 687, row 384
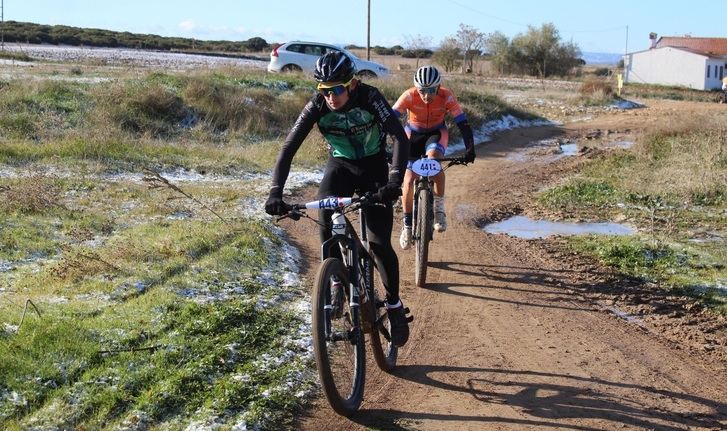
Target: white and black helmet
column 427, row 76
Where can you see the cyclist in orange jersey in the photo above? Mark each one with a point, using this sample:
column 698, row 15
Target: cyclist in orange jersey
column 426, row 105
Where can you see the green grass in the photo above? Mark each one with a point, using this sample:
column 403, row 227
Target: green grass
column 118, row 275
column 672, row 187
column 154, row 313
column 204, row 356
column 691, row 269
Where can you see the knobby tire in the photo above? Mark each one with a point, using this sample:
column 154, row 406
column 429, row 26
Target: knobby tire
column 424, row 235
column 341, row 364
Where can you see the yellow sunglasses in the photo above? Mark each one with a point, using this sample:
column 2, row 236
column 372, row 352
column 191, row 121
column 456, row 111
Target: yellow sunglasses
column 336, row 89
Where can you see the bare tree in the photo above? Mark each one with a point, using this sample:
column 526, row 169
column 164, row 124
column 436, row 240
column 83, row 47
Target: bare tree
column 470, row 42
column 417, row 44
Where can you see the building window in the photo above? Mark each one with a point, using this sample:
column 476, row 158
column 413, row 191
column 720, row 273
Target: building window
column 709, row 69
column 721, row 72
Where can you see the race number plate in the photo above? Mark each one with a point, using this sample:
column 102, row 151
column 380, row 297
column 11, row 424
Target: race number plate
column 426, row 167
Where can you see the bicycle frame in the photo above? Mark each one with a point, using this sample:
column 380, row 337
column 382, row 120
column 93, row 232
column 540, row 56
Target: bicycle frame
column 353, row 249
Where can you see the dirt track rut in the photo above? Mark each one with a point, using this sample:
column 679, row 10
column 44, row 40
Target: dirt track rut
column 507, row 335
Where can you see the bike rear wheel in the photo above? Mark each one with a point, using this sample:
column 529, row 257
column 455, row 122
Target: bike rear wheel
column 423, row 235
column 338, row 346
column 385, row 352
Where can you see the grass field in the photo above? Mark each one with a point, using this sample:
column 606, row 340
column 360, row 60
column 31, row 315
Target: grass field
column 131, row 303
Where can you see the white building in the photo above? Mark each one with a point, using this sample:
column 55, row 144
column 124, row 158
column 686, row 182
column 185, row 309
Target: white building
column 693, row 62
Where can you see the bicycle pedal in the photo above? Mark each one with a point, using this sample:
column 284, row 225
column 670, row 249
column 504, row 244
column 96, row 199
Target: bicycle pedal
column 409, row 319
column 406, row 310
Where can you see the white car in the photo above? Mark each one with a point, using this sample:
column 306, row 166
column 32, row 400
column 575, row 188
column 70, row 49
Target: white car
column 301, row 56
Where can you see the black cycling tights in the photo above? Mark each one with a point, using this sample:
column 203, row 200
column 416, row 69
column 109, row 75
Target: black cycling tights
column 344, row 177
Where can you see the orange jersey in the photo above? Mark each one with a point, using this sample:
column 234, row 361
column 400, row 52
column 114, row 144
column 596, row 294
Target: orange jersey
column 428, row 116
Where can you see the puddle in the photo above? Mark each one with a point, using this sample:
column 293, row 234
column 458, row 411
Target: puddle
column 546, row 150
column 523, row 227
column 569, row 149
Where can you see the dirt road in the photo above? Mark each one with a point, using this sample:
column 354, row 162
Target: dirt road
column 510, row 334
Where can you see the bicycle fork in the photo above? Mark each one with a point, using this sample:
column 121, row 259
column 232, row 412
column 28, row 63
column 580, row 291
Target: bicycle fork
column 421, row 183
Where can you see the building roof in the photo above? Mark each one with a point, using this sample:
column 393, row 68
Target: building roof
column 711, row 46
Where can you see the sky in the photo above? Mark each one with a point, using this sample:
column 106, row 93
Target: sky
column 614, row 26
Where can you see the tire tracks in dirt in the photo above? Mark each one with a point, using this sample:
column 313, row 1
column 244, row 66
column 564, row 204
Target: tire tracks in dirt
column 507, row 336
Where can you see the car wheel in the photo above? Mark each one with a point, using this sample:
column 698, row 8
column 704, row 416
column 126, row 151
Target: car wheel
column 366, row 74
column 291, row 68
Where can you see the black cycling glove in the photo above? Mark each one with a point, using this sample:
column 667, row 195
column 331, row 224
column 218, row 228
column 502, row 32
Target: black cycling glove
column 275, row 204
column 469, row 156
column 389, row 192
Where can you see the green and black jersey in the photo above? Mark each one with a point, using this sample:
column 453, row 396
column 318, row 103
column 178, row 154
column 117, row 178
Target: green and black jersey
column 354, row 132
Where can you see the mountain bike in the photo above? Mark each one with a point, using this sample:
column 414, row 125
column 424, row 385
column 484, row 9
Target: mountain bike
column 348, row 301
column 423, row 210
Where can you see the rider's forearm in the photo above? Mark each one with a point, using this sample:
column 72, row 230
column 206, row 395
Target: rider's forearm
column 467, row 135
column 293, row 141
column 400, row 155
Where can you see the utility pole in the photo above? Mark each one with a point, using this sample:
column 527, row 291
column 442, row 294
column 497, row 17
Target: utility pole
column 368, row 34
column 2, row 25
column 627, row 40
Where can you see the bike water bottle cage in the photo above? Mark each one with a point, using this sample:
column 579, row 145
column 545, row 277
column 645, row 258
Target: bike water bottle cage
column 426, row 167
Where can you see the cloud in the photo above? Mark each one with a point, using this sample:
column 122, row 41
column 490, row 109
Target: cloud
column 188, row 25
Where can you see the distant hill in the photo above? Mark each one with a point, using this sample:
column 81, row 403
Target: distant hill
column 601, row 58
column 26, row 32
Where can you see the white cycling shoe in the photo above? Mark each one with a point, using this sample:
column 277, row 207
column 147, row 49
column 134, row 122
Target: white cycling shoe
column 405, row 238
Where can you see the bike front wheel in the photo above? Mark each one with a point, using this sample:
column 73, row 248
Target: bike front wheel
column 338, row 344
column 423, row 235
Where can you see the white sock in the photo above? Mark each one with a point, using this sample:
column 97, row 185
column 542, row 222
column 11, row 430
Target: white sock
column 439, row 203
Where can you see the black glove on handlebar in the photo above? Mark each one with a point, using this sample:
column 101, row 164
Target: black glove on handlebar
column 469, row 156
column 276, row 206
column 389, row 192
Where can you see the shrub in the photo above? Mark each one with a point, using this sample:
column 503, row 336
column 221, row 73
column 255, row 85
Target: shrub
column 34, row 195
column 592, row 86
column 144, row 108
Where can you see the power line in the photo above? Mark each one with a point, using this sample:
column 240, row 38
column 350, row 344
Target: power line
column 620, row 27
column 486, row 14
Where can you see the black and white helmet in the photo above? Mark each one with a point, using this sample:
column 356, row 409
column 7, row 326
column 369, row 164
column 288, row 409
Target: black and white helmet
column 334, row 66
column 427, row 76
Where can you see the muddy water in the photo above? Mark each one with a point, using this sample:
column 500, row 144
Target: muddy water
column 524, row 227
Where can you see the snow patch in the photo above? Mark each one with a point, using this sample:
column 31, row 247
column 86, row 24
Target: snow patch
column 486, row 131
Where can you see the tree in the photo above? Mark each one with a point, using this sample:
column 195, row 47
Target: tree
column 470, row 42
column 536, row 52
column 498, row 46
column 256, row 44
column 540, row 51
column 448, row 54
column 418, row 44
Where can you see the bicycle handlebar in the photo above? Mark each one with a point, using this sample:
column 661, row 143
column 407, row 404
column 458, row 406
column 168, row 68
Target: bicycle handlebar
column 296, row 211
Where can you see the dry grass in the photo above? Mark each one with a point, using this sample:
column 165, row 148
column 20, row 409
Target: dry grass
column 596, row 91
column 36, row 194
column 685, row 158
